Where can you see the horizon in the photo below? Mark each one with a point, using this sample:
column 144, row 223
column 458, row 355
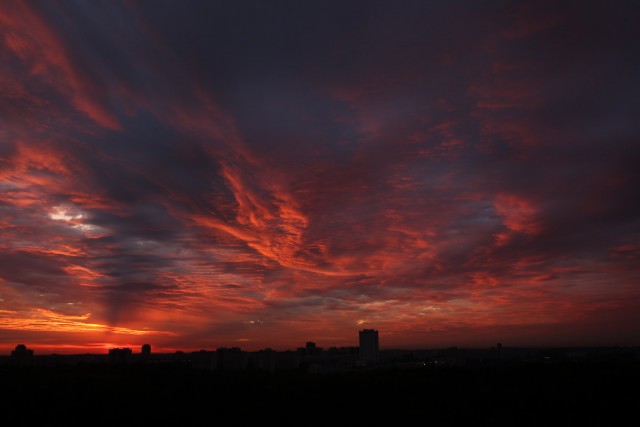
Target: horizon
column 105, row 347
column 262, row 174
column 37, row 353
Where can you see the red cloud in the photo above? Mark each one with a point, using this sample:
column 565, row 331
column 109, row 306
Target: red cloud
column 35, row 42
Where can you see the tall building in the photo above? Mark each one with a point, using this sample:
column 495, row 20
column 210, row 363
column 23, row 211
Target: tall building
column 145, row 352
column 369, row 350
column 146, row 349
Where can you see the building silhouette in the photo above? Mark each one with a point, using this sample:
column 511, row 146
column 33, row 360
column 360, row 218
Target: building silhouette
column 22, row 355
column 369, row 350
column 310, row 349
column 146, row 349
column 145, row 352
column 119, row 355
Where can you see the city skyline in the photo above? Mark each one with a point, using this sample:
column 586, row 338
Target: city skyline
column 202, row 174
column 367, row 351
column 367, row 339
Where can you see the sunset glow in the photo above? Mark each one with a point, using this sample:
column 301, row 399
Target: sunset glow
column 203, row 174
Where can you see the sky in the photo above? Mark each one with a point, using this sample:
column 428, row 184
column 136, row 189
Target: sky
column 205, row 174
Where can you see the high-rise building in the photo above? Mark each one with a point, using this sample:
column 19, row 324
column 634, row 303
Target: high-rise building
column 369, row 351
column 145, row 353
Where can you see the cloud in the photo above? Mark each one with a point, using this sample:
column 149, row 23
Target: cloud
column 441, row 171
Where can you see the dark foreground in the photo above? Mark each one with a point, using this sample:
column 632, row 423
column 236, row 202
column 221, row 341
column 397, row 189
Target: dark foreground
column 599, row 394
